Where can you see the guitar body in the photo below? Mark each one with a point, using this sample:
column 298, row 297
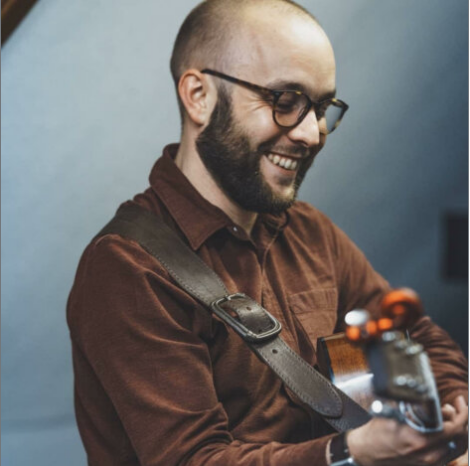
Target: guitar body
column 345, row 365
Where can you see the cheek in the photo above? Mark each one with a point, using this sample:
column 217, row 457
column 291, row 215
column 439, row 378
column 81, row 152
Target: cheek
column 260, row 127
column 263, row 123
column 256, row 120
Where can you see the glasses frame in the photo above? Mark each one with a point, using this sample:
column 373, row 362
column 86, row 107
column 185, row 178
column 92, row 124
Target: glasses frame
column 276, row 95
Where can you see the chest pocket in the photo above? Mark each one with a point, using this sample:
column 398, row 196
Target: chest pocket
column 316, row 310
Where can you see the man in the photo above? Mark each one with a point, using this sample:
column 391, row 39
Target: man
column 159, row 380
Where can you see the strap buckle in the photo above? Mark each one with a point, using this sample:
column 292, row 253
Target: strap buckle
column 238, row 326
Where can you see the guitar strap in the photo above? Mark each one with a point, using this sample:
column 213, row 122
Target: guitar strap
column 259, row 329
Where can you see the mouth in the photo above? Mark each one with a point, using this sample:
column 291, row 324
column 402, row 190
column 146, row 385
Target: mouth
column 287, row 163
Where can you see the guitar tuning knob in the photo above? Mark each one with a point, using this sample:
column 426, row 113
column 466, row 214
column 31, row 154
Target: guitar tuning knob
column 357, row 318
column 401, row 345
column 414, row 349
column 402, row 306
column 422, row 388
column 406, row 381
column 359, row 326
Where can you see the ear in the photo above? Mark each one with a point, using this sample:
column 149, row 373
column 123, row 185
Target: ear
column 198, row 95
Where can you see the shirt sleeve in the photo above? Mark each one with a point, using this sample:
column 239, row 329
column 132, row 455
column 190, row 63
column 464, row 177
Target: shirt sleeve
column 361, row 287
column 154, row 363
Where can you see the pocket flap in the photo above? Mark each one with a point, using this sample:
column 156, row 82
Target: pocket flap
column 316, row 310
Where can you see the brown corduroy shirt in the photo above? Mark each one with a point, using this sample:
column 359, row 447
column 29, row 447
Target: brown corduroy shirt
column 160, row 381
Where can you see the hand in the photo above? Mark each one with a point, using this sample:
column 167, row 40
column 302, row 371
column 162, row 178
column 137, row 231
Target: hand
column 384, row 442
column 448, row 413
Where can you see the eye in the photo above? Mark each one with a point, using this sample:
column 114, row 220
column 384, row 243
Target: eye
column 289, row 102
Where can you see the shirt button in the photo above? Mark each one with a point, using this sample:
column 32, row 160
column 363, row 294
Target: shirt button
column 235, row 229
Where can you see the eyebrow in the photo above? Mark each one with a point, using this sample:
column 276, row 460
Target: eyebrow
column 283, row 85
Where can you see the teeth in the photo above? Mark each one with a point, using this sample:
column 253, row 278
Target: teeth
column 283, row 162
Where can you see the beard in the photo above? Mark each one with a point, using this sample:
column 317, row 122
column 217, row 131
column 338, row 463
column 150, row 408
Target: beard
column 228, row 155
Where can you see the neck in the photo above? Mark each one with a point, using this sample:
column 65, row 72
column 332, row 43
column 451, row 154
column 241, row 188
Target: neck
column 188, row 161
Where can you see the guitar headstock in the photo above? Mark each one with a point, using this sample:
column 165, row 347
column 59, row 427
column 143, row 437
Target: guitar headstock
column 400, row 367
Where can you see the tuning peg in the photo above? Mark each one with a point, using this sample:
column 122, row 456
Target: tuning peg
column 402, row 306
column 414, row 349
column 359, row 326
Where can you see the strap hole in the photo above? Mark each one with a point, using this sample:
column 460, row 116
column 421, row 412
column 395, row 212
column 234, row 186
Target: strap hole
column 275, row 351
column 248, row 308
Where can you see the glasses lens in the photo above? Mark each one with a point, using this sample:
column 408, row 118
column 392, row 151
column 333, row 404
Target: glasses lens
column 330, row 116
column 289, row 108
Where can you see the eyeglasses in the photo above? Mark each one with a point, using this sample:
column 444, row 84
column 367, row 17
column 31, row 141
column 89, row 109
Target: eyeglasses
column 290, row 107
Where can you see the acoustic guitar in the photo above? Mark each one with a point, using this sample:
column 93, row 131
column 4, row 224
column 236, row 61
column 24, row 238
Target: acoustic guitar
column 379, row 367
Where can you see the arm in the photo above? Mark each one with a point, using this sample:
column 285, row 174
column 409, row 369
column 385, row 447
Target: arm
column 148, row 343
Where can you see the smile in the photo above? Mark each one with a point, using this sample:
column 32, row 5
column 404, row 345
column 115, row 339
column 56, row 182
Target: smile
column 283, row 162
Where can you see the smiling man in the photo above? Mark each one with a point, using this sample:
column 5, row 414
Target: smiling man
column 253, row 152
column 161, row 381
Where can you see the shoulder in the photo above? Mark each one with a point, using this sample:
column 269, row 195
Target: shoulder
column 110, row 265
column 115, row 254
column 113, row 251
column 113, row 277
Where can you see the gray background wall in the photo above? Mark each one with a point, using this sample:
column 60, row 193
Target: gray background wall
column 88, row 103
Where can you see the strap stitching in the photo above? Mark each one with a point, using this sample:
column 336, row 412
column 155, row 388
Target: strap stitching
column 306, row 398
column 178, row 277
column 311, row 370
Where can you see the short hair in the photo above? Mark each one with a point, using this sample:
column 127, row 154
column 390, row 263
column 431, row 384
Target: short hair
column 204, row 38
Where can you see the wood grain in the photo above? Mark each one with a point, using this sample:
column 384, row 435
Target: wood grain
column 345, row 365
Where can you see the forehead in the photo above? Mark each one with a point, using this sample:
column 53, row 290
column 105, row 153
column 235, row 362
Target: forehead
column 275, row 48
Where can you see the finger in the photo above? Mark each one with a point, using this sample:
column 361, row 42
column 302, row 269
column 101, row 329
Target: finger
column 455, row 424
column 460, row 404
column 462, row 411
column 448, row 412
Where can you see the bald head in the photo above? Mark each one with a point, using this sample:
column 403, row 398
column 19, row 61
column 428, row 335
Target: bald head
column 217, row 33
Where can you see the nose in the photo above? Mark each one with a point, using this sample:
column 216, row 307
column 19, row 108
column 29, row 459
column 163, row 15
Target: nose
column 307, row 132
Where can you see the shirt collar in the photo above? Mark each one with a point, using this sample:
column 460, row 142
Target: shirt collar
column 197, row 218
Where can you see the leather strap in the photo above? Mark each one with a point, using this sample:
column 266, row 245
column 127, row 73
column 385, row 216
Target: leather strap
column 250, row 320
